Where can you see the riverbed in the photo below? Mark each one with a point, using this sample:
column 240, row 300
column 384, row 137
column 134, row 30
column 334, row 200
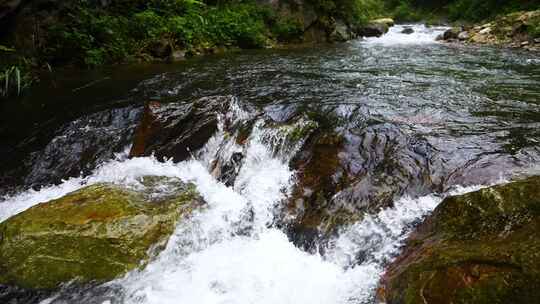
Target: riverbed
column 430, row 118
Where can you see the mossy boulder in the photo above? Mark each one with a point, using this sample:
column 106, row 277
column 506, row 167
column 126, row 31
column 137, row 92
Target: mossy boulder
column 376, row 28
column 94, row 234
column 481, row 247
column 386, row 21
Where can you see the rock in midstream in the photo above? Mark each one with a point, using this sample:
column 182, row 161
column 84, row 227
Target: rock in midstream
column 375, row 28
column 94, row 234
column 177, row 129
column 344, row 173
column 480, row 247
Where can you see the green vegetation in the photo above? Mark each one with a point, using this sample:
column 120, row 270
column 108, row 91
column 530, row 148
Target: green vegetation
column 534, row 30
column 353, row 12
column 94, row 36
column 89, row 33
column 84, row 33
column 456, row 10
column 9, row 73
column 13, row 77
column 478, row 10
column 416, row 10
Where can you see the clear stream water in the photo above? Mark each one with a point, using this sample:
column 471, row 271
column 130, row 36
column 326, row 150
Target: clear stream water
column 478, row 107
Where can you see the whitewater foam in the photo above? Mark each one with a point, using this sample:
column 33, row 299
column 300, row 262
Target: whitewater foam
column 421, row 35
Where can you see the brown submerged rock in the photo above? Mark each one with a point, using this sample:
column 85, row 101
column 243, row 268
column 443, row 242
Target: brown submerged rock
column 175, row 130
column 320, row 175
column 94, row 234
column 481, row 247
column 345, row 173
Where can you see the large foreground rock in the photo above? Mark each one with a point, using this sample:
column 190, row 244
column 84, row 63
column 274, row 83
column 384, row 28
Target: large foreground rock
column 94, row 234
column 481, row 247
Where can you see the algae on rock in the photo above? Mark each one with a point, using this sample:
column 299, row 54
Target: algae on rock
column 481, row 247
column 96, row 233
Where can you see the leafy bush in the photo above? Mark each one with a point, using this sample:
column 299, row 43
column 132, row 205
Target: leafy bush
column 477, row 10
column 92, row 36
column 464, row 10
column 10, row 77
column 287, row 29
column 241, row 25
column 405, row 12
column 534, row 28
column 354, row 12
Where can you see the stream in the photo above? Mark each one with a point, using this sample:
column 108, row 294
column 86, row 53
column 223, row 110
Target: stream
column 420, row 120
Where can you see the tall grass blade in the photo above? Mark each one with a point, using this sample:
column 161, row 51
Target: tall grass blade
column 18, row 76
column 7, row 83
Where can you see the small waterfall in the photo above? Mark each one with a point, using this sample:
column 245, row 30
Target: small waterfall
column 230, row 251
column 421, row 35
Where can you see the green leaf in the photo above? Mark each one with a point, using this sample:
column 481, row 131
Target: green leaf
column 6, row 49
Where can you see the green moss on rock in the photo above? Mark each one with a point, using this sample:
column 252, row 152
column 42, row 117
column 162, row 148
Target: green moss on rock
column 519, row 29
column 481, row 247
column 94, row 234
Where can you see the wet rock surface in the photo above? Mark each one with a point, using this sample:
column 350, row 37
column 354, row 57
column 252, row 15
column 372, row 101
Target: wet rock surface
column 16, row 295
column 346, row 173
column 175, row 130
column 480, row 247
column 93, row 234
column 376, row 28
column 407, row 31
column 81, row 145
column 451, row 34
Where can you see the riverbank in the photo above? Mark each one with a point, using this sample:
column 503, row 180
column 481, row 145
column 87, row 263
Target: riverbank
column 45, row 34
column 515, row 30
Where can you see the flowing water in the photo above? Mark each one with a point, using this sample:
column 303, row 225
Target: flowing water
column 471, row 114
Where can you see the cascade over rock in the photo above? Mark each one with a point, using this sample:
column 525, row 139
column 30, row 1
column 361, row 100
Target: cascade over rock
column 96, row 233
column 481, row 247
column 83, row 144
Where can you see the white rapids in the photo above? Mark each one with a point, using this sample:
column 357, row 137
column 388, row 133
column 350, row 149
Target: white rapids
column 229, row 252
column 421, row 35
